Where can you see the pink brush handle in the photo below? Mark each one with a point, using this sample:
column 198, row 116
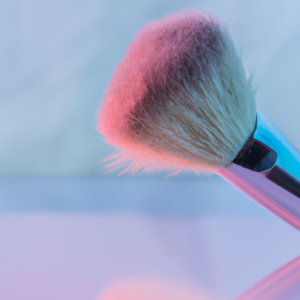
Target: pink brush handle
column 265, row 192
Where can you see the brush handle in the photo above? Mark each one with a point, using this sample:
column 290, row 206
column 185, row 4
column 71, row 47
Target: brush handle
column 265, row 192
column 269, row 172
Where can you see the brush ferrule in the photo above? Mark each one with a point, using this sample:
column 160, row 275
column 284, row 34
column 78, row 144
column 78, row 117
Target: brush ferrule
column 267, row 169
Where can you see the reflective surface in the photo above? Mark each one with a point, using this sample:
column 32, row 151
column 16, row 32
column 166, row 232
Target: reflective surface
column 85, row 238
column 284, row 284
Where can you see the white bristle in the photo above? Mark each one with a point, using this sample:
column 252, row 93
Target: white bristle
column 180, row 97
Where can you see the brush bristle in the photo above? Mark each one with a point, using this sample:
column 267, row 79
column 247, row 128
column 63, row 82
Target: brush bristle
column 179, row 99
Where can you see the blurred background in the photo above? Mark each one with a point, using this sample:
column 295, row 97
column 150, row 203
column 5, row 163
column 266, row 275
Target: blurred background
column 69, row 229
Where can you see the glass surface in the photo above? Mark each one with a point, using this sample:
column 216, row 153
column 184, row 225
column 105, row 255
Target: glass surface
column 108, row 239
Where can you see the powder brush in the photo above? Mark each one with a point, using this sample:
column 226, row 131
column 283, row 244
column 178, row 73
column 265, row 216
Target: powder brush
column 180, row 99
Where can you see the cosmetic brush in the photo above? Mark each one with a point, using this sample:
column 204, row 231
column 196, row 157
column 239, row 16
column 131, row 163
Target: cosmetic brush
column 180, row 99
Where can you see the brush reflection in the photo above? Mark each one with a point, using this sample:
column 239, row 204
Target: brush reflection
column 148, row 289
column 283, row 284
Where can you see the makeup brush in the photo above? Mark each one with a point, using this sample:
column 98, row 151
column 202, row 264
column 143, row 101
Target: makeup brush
column 180, row 99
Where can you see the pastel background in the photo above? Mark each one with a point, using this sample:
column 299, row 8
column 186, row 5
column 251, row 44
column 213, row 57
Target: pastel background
column 69, row 230
column 57, row 58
